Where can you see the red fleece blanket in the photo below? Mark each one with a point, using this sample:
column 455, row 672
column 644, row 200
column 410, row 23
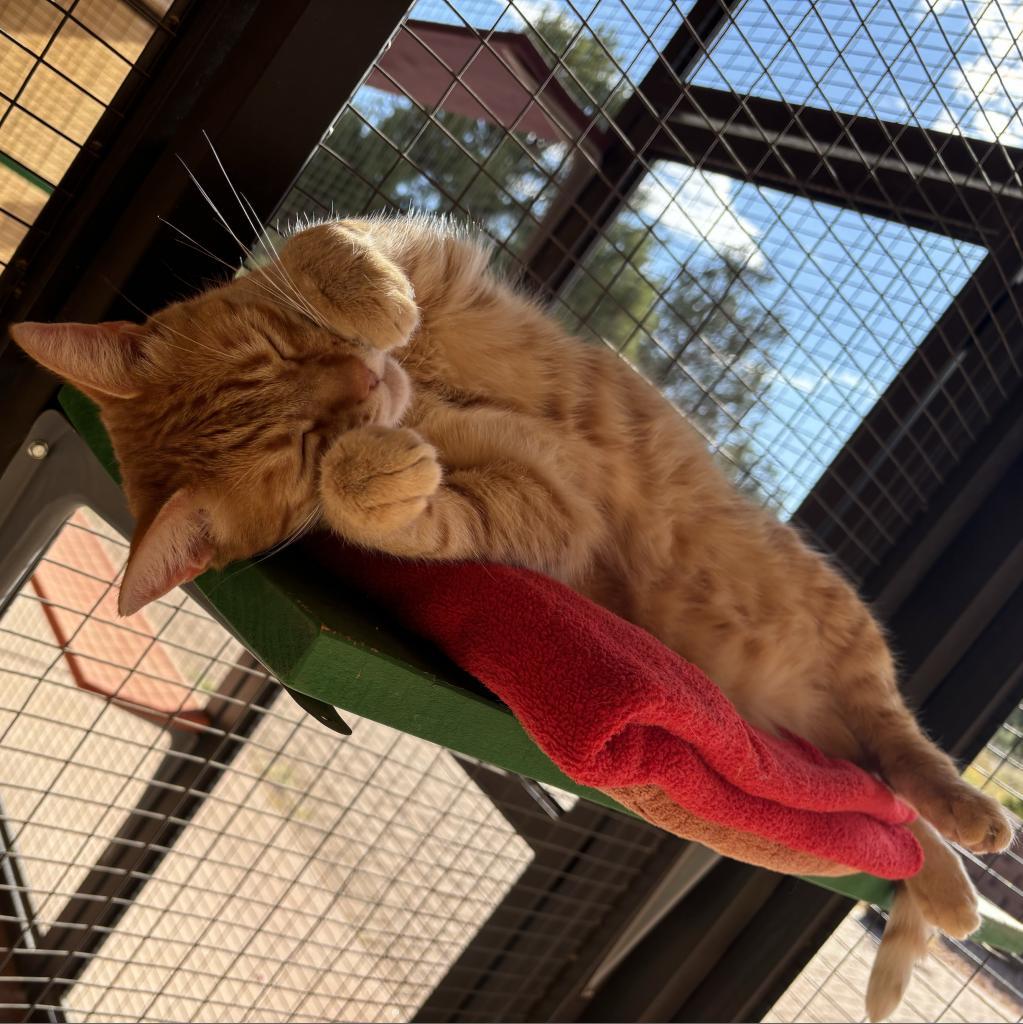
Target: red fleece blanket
column 614, row 708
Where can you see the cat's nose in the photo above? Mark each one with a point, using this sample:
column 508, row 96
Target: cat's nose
column 366, row 381
column 371, row 381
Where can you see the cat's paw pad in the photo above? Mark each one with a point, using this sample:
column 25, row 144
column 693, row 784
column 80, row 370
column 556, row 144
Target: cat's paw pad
column 982, row 824
column 374, row 480
column 969, row 817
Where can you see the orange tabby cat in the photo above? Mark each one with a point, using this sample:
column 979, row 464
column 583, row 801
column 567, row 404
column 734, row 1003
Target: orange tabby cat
column 378, row 378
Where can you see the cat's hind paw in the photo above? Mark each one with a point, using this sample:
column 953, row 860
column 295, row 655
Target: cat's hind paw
column 942, row 889
column 967, row 816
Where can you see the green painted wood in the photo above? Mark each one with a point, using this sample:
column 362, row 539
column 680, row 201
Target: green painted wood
column 860, row 887
column 24, row 172
column 327, row 645
column 998, row 929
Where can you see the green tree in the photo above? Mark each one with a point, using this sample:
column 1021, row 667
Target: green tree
column 698, row 331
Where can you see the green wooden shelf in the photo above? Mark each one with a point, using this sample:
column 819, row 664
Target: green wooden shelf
column 328, row 645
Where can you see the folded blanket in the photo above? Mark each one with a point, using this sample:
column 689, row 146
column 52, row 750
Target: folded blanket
column 617, row 710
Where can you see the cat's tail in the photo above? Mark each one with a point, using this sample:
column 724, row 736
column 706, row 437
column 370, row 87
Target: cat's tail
column 904, row 942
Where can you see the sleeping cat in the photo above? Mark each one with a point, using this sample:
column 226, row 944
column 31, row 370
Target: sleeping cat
column 378, row 379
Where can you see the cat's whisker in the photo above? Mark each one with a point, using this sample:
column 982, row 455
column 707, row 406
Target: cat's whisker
column 300, row 531
column 281, row 279
column 252, row 219
column 216, row 211
column 276, row 296
column 274, row 293
column 311, row 520
column 302, row 306
column 264, row 279
column 261, row 234
column 170, row 344
column 198, row 245
column 230, row 183
column 278, row 265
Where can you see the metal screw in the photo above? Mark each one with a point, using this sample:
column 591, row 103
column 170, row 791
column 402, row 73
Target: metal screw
column 38, row 449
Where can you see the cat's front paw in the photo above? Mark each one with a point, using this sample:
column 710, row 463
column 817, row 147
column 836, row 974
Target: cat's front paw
column 400, row 316
column 351, row 283
column 375, row 480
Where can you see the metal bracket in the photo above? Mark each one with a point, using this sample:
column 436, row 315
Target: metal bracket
column 52, row 474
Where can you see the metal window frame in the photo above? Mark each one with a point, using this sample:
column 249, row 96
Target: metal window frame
column 597, row 188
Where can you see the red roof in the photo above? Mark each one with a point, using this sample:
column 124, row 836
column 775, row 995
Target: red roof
column 498, row 77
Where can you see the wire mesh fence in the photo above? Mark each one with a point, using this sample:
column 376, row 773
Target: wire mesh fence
column 773, row 319
column 775, row 312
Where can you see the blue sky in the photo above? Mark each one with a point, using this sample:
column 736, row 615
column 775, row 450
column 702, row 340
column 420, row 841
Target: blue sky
column 856, row 294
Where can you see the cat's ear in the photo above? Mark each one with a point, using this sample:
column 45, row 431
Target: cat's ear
column 173, row 549
column 100, row 358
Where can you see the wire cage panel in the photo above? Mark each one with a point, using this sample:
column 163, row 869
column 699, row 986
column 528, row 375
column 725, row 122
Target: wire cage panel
column 318, row 877
column 61, row 63
column 953, row 65
column 959, row 981
column 796, row 219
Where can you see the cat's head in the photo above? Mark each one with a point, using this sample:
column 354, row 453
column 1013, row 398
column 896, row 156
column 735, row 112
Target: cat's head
column 220, row 407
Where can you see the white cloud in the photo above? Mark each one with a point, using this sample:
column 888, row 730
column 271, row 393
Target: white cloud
column 699, row 205
column 531, row 10
column 805, row 382
column 853, row 380
column 988, row 86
